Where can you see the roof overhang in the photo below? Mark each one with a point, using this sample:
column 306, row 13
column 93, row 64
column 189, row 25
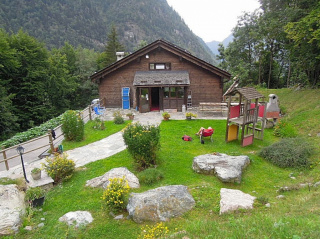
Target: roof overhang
column 161, row 78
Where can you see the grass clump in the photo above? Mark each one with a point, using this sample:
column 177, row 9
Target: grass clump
column 289, row 153
column 150, row 176
column 72, row 126
column 284, row 129
column 118, row 119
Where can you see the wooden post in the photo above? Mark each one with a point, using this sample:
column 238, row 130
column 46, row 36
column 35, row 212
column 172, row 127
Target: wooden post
column 51, row 141
column 5, row 157
column 90, row 111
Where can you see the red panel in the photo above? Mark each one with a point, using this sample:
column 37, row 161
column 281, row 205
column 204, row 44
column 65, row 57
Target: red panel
column 247, row 140
column 234, row 111
column 261, row 110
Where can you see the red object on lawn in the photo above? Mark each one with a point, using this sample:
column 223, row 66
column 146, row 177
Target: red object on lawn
column 206, row 133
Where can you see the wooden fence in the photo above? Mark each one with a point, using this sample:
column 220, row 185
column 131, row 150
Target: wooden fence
column 34, row 145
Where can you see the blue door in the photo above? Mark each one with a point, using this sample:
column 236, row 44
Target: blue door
column 125, row 98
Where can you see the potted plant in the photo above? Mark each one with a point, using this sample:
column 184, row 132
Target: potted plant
column 166, row 115
column 130, row 115
column 35, row 196
column 36, row 173
column 189, row 115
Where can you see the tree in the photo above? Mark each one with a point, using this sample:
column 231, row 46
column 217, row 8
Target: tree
column 27, row 82
column 113, row 45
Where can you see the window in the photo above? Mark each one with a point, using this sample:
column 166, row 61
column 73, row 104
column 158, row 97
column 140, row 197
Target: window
column 173, row 92
column 160, row 66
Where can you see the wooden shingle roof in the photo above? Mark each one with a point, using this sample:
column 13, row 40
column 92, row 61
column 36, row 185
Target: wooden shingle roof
column 249, row 93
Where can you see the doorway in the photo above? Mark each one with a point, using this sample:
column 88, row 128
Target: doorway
column 155, row 99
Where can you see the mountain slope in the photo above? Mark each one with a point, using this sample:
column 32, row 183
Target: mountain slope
column 214, row 45
column 87, row 23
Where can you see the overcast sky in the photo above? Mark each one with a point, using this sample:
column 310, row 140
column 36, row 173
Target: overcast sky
column 212, row 20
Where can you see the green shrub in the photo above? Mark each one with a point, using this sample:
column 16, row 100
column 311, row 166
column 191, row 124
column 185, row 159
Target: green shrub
column 72, row 126
column 115, row 196
column 34, row 193
column 289, row 152
column 143, row 143
column 118, row 119
column 158, row 230
column 98, row 124
column 59, row 168
column 284, row 130
column 150, row 176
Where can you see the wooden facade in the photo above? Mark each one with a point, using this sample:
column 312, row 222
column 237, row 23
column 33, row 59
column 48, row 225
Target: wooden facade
column 160, row 76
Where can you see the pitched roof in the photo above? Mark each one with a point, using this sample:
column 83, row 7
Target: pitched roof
column 164, row 45
column 249, row 93
column 161, row 78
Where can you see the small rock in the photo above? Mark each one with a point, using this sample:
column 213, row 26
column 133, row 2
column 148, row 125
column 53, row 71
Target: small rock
column 40, row 209
column 119, row 217
column 317, row 184
column 28, row 228
column 280, row 196
column 268, row 205
column 318, row 134
column 41, row 224
column 294, row 178
column 43, row 219
column 77, row 218
column 309, row 135
column 45, row 213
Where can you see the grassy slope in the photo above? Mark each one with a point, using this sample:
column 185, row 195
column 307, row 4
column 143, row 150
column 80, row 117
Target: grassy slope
column 297, row 216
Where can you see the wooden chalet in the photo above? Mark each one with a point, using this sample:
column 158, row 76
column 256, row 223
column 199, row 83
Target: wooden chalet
column 159, row 76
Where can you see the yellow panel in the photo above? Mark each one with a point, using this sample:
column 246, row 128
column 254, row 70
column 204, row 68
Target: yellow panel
column 233, row 132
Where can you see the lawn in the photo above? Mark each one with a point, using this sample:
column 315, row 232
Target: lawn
column 296, row 216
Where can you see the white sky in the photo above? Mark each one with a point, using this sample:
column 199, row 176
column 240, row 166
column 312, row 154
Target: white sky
column 212, row 20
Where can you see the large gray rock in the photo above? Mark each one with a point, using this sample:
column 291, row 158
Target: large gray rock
column 232, row 200
column 12, row 208
column 226, row 168
column 77, row 218
column 103, row 180
column 160, row 204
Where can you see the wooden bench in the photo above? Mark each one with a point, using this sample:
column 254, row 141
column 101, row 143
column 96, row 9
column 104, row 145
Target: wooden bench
column 213, row 107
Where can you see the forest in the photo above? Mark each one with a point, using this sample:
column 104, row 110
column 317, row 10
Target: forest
column 276, row 46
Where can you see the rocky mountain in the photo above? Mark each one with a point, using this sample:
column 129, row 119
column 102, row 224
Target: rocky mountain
column 214, row 45
column 87, row 23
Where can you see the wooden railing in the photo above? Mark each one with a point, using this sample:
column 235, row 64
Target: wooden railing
column 38, row 142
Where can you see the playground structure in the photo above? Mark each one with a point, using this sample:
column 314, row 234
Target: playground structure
column 249, row 115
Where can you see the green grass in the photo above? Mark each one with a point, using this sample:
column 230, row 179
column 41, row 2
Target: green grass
column 296, row 216
column 92, row 135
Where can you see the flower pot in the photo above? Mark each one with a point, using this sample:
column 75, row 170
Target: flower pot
column 36, row 176
column 188, row 117
column 165, row 118
column 37, row 202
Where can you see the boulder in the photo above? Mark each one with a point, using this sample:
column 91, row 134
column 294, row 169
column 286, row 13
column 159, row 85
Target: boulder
column 12, row 207
column 232, row 200
column 160, row 204
column 77, row 218
column 226, row 168
column 103, row 180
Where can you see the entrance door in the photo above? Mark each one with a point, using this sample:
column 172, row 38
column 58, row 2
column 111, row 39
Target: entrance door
column 155, row 100
column 144, row 100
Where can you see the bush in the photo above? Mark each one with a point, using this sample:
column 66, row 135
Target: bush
column 157, row 231
column 115, row 196
column 98, row 124
column 72, row 126
column 60, row 168
column 150, row 176
column 118, row 119
column 143, row 143
column 290, row 152
column 284, row 130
